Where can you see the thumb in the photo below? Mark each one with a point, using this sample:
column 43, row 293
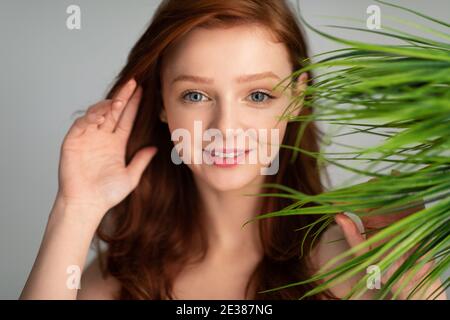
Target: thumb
column 139, row 162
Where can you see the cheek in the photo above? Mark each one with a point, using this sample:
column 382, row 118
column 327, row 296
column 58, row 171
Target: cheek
column 179, row 119
column 272, row 132
column 180, row 115
column 282, row 130
column 269, row 116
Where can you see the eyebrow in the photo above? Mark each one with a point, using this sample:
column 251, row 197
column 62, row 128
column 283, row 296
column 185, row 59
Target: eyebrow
column 240, row 79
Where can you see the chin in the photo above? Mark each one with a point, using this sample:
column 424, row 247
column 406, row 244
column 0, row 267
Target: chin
column 228, row 178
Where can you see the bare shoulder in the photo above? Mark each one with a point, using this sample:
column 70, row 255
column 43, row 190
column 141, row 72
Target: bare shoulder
column 94, row 286
column 331, row 244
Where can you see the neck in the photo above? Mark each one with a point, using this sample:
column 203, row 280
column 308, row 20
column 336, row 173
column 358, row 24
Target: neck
column 225, row 213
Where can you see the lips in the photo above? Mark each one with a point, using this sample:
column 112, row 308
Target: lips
column 227, row 153
column 226, row 157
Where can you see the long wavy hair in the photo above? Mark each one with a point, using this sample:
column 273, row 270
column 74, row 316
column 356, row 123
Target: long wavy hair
column 155, row 231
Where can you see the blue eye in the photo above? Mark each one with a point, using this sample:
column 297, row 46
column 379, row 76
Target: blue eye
column 260, row 95
column 195, row 95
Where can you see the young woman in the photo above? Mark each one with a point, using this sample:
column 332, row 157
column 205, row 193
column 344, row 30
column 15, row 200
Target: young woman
column 173, row 231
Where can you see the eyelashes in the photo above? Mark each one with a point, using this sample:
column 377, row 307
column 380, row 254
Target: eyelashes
column 268, row 95
column 199, row 95
column 192, row 93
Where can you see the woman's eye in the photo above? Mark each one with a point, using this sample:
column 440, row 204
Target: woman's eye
column 193, row 96
column 259, row 96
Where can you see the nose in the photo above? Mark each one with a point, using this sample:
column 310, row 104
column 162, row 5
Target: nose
column 226, row 117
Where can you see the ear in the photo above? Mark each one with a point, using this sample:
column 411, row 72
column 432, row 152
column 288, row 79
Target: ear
column 163, row 115
column 298, row 87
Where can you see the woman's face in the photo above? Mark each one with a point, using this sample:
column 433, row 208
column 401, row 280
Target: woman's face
column 217, row 95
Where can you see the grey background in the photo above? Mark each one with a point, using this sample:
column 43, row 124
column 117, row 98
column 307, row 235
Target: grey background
column 47, row 72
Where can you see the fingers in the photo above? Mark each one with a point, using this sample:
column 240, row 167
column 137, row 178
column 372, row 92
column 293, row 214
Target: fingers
column 120, row 100
column 100, row 108
column 125, row 92
column 94, row 116
column 105, row 115
column 126, row 121
column 381, row 220
column 138, row 164
column 351, row 232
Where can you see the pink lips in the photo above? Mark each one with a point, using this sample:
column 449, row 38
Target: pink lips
column 219, row 160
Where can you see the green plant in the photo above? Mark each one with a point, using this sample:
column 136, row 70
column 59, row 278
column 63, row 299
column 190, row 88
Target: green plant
column 401, row 94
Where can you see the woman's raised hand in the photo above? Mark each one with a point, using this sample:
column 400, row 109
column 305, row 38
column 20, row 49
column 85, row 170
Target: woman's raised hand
column 92, row 170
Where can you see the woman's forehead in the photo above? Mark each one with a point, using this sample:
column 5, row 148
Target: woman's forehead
column 243, row 49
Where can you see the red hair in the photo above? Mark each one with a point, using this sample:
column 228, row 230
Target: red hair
column 158, row 229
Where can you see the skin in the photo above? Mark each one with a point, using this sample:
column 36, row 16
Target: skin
column 226, row 104
column 93, row 177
